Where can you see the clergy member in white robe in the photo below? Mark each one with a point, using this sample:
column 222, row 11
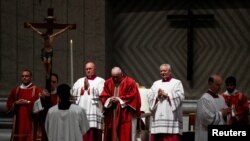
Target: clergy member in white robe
column 165, row 100
column 211, row 109
column 87, row 90
column 66, row 121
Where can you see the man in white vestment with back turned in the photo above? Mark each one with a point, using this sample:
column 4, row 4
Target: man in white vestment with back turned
column 66, row 121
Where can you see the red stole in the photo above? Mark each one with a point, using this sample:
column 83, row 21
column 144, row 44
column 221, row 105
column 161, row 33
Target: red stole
column 91, row 77
column 213, row 94
column 167, row 79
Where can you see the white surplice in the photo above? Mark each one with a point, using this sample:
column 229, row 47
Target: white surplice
column 208, row 113
column 90, row 100
column 66, row 125
column 166, row 114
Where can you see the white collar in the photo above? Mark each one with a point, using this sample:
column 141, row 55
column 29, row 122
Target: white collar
column 235, row 91
column 22, row 86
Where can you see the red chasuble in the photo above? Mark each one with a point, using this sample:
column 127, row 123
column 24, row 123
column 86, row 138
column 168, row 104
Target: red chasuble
column 53, row 99
column 241, row 106
column 24, row 116
column 129, row 93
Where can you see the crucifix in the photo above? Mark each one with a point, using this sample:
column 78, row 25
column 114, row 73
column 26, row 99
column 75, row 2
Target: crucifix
column 190, row 20
column 48, row 36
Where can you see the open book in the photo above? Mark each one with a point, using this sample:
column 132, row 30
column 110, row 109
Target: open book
column 37, row 107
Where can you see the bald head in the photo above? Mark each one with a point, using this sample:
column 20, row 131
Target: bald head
column 214, row 78
column 214, row 83
column 116, row 71
column 90, row 64
column 116, row 74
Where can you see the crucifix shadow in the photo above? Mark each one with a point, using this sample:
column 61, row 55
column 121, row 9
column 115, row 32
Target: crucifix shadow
column 191, row 21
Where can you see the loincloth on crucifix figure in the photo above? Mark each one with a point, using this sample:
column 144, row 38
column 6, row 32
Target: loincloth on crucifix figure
column 47, row 53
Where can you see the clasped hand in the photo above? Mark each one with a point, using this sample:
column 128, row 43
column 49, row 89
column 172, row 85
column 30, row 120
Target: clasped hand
column 22, row 101
column 226, row 111
column 44, row 93
column 162, row 94
column 114, row 99
column 86, row 84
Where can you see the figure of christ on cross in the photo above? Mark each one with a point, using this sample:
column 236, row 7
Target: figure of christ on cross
column 48, row 36
column 47, row 50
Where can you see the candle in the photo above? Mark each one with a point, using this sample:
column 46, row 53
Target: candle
column 71, row 63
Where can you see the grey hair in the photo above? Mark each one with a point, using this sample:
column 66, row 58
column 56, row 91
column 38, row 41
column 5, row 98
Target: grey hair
column 166, row 65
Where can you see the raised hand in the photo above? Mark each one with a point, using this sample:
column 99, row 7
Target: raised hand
column 86, row 84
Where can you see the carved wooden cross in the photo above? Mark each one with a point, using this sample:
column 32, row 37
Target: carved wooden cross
column 190, row 20
column 50, row 25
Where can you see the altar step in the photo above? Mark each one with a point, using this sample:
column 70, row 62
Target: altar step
column 5, row 134
column 5, row 121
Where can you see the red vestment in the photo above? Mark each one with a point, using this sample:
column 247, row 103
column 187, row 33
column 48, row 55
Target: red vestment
column 23, row 113
column 241, row 106
column 165, row 137
column 93, row 134
column 54, row 99
column 129, row 93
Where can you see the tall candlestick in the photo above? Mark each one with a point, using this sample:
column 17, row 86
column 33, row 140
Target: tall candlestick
column 71, row 63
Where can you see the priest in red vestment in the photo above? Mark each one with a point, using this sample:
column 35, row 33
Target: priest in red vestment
column 237, row 101
column 21, row 101
column 53, row 98
column 48, row 100
column 121, row 100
